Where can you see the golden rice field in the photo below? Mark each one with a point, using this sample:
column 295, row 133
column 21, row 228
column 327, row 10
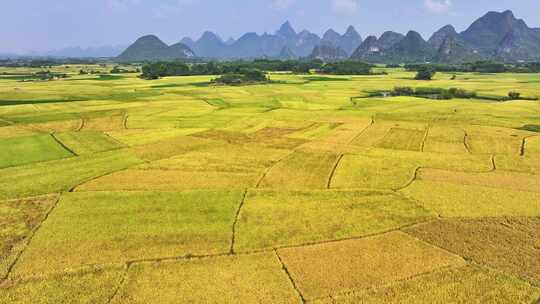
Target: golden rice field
column 120, row 190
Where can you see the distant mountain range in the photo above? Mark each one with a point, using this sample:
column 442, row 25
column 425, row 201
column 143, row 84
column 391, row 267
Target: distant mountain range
column 285, row 43
column 499, row 36
column 496, row 35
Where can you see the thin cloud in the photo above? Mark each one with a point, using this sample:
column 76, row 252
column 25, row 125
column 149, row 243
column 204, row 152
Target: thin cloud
column 282, row 4
column 438, row 6
column 345, row 6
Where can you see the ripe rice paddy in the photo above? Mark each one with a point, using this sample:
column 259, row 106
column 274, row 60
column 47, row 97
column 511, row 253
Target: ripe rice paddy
column 121, row 190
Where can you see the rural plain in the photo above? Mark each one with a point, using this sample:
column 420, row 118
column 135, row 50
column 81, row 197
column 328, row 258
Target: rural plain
column 308, row 189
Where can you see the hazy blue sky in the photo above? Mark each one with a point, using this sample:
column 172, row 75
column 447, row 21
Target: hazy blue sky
column 51, row 24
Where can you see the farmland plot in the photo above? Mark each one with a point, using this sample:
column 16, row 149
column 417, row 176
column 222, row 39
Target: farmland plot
column 301, row 170
column 106, row 228
column 451, row 200
column 25, row 150
column 296, row 191
column 331, row 269
column 278, row 218
column 237, row 279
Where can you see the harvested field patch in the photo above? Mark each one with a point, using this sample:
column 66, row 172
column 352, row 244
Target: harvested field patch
column 114, row 227
column 223, row 158
column 507, row 244
column 389, row 169
column 136, row 137
column 90, row 287
column 25, row 150
column 236, row 279
column 495, row 179
column 17, row 219
column 532, row 146
column 451, row 200
column 402, row 139
column 339, row 139
column 456, row 162
column 60, row 175
column 469, row 284
column 377, row 131
column 358, row 171
column 278, row 218
column 88, row 142
column 15, row 131
column 170, row 180
column 105, row 123
column 314, row 132
column 492, row 140
column 445, row 139
column 54, row 126
column 171, row 147
column 523, row 164
column 271, row 137
column 334, row 268
column 301, row 170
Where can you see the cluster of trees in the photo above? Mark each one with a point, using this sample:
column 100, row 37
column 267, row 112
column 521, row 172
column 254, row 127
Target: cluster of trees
column 119, row 70
column 433, row 93
column 445, row 94
column 479, row 67
column 39, row 63
column 425, row 73
column 48, row 75
column 347, row 68
column 156, row 70
column 246, row 76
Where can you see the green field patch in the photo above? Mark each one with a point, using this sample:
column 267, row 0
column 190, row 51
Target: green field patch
column 170, row 180
column 325, row 78
column 16, row 102
column 60, row 175
column 531, row 128
column 114, row 227
column 445, row 139
column 88, row 287
column 301, row 170
column 329, row 269
column 107, row 77
column 236, row 279
column 495, row 179
column 506, row 244
column 17, row 219
column 30, row 149
column 88, row 142
column 402, row 139
column 272, row 219
column 451, row 200
column 469, row 284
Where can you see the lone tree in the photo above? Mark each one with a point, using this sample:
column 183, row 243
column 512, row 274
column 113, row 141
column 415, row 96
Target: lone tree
column 425, row 73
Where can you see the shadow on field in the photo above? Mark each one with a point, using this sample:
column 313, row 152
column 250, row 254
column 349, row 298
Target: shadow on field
column 532, row 128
